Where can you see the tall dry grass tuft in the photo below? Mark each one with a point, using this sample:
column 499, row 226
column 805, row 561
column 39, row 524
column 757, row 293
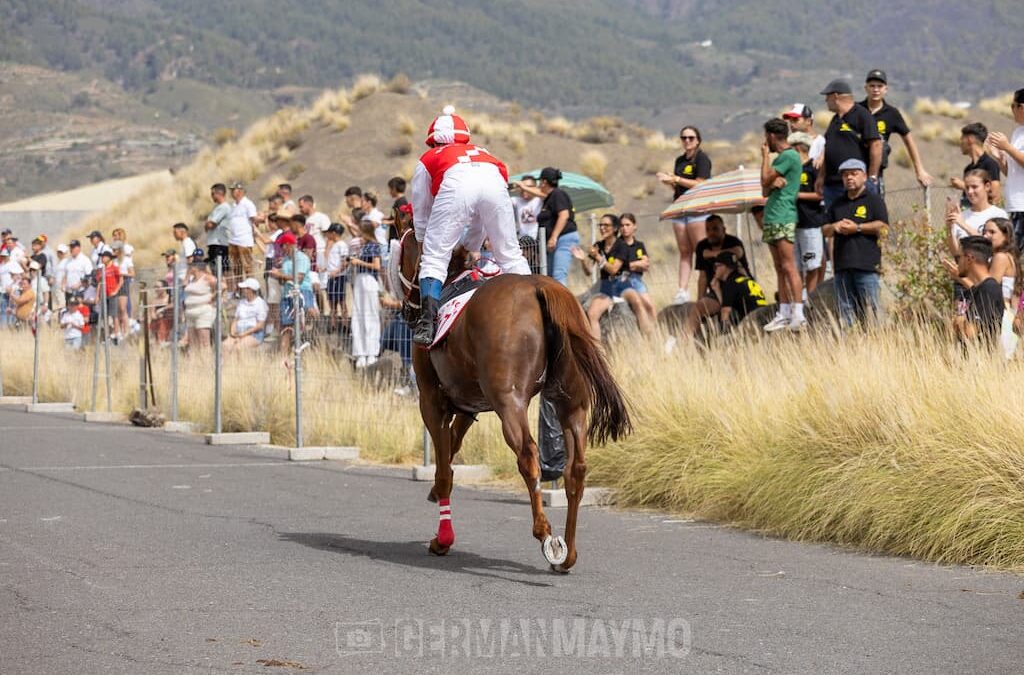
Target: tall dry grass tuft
column 365, row 85
column 593, row 164
column 405, row 125
column 399, row 84
column 924, row 106
column 559, row 126
column 893, row 440
column 658, row 141
column 950, row 110
column 998, row 104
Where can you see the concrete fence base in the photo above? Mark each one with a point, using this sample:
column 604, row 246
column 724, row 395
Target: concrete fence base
column 239, row 438
column 62, row 407
column 15, row 400
column 463, row 472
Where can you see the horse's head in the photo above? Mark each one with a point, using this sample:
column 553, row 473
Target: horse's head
column 409, row 275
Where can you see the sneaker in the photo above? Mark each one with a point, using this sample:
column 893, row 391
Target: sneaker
column 796, row 325
column 778, row 323
column 404, row 391
column 682, row 296
column 670, row 344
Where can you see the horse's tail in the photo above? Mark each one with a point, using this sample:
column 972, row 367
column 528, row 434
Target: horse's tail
column 609, row 415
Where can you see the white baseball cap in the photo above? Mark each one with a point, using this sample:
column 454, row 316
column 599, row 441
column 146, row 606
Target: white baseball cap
column 250, row 283
column 63, row 248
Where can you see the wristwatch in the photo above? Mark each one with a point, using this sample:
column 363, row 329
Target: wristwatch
column 858, row 228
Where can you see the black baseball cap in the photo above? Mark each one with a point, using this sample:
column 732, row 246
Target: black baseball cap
column 877, row 74
column 1018, row 97
column 73, row 243
column 837, row 87
column 95, row 233
column 551, row 174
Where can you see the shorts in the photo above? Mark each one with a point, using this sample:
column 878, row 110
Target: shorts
column 636, row 282
column 287, row 311
column 612, row 288
column 691, row 220
column 810, row 249
column 126, row 288
column 336, row 288
column 777, row 232
column 200, row 317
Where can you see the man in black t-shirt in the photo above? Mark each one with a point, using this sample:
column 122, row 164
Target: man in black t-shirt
column 737, row 293
column 717, row 241
column 852, row 134
column 972, row 144
column 855, row 220
column 890, row 121
column 810, row 245
column 979, row 315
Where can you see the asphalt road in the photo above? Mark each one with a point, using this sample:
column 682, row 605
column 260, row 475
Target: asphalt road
column 135, row 551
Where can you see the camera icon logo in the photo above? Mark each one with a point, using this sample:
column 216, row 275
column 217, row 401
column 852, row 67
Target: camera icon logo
column 361, row 637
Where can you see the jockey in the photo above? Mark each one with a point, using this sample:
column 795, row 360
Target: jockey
column 458, row 187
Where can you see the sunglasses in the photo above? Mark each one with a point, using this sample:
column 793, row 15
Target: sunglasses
column 688, row 138
column 605, row 225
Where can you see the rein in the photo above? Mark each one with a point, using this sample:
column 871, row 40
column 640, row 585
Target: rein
column 408, row 284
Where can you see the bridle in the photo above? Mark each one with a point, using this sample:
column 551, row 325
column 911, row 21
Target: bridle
column 408, row 285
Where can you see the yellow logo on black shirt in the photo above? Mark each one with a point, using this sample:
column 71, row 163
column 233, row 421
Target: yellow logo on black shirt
column 688, row 169
column 639, row 253
column 845, row 127
column 881, row 126
column 804, row 179
column 861, row 212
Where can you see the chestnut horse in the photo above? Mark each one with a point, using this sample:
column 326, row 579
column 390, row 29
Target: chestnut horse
column 518, row 336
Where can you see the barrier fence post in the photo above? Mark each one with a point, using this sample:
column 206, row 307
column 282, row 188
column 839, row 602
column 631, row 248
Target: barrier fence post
column 144, row 375
column 595, row 272
column 216, row 349
column 105, row 333
column 95, row 356
column 35, row 348
column 426, row 447
column 542, row 250
column 174, row 347
column 299, row 313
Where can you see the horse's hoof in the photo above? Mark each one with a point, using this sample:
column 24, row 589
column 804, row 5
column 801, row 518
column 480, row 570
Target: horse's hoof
column 432, row 497
column 554, row 549
column 560, row 569
column 437, row 549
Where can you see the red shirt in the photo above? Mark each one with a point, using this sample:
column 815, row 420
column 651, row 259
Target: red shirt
column 113, row 275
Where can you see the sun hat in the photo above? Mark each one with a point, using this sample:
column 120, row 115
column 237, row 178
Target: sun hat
column 250, row 283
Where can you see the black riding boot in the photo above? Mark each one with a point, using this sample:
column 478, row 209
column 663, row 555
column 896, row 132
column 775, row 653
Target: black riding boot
column 424, row 334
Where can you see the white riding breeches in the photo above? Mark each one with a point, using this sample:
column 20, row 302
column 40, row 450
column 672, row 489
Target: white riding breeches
column 473, row 199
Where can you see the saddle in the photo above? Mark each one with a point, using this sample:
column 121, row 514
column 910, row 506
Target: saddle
column 457, row 294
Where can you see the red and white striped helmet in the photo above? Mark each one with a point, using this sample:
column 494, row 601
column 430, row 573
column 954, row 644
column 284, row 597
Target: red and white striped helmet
column 447, row 128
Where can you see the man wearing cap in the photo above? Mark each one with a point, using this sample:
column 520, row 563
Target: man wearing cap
column 317, row 223
column 852, row 134
column 457, row 185
column 99, row 245
column 810, row 245
column 293, row 300
column 1009, row 152
column 59, row 273
column 801, row 119
column 855, row 219
column 78, row 268
column 218, row 226
column 889, row 120
column 240, row 239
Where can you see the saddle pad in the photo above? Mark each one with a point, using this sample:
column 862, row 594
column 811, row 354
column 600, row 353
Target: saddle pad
column 449, row 314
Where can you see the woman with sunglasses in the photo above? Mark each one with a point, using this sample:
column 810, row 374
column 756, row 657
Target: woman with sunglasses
column 691, row 168
column 609, row 254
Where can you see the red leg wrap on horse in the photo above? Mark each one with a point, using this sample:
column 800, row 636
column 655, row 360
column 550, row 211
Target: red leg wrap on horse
column 445, row 533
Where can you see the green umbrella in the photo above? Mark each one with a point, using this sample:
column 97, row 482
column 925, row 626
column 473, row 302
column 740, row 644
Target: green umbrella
column 585, row 193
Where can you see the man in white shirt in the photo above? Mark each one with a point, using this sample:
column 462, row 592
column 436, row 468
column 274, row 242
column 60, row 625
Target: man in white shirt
column 60, row 271
column 317, row 223
column 527, row 208
column 240, row 239
column 77, row 269
column 8, row 270
column 801, row 118
column 1009, row 152
column 188, row 247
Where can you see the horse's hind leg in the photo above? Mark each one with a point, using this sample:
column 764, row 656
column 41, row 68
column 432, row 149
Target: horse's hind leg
column 575, row 425
column 515, row 426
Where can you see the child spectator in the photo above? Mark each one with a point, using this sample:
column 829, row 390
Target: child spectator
column 73, row 321
column 337, row 264
column 637, row 262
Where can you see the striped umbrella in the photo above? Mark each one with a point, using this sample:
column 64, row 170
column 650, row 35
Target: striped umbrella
column 730, row 192
column 586, row 194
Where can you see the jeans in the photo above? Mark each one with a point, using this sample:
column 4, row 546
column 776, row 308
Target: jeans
column 397, row 337
column 560, row 259
column 857, row 293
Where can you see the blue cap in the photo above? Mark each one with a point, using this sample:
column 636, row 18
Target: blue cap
column 853, row 165
column 198, row 253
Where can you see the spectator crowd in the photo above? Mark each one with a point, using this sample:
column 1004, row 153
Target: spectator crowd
column 285, row 266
